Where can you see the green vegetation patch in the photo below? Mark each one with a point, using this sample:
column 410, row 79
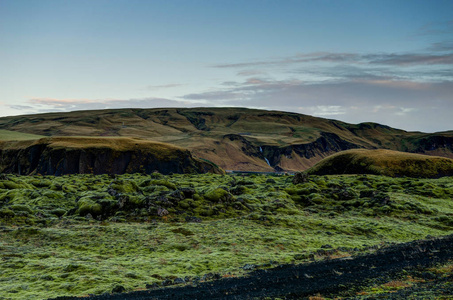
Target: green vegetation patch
column 91, row 234
column 9, row 135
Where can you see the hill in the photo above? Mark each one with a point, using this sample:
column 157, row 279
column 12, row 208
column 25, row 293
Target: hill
column 384, row 162
column 93, row 155
column 236, row 138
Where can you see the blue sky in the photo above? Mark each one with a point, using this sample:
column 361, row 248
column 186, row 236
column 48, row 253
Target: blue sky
column 383, row 61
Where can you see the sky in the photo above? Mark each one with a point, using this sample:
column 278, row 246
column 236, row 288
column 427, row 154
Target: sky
column 384, row 61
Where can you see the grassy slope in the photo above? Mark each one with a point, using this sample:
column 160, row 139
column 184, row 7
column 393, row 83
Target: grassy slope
column 8, row 135
column 115, row 143
column 384, row 162
column 201, row 130
column 49, row 248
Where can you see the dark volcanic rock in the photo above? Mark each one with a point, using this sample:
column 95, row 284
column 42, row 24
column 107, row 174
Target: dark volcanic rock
column 300, row 178
column 118, row 289
column 188, row 192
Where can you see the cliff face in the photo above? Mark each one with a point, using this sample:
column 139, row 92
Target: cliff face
column 44, row 158
column 292, row 157
column 325, row 145
column 435, row 145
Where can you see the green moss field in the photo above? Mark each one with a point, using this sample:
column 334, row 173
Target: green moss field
column 77, row 235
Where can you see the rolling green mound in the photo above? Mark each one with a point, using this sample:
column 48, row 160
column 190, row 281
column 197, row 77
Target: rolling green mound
column 236, row 138
column 96, row 155
column 384, row 162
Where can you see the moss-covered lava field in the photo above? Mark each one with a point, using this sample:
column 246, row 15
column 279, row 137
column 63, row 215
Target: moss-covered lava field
column 76, row 235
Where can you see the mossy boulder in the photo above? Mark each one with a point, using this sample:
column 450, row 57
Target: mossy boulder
column 88, row 206
column 158, row 182
column 218, row 195
column 97, row 204
column 125, row 186
column 345, row 193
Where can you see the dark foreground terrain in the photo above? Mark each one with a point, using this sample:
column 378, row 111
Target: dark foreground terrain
column 328, row 278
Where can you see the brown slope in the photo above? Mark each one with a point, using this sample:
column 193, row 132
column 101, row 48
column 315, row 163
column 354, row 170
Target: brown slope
column 236, row 138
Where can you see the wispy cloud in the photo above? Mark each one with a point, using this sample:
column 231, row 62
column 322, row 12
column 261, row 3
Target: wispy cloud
column 390, row 59
column 297, row 59
column 328, row 110
column 220, row 95
column 53, row 104
column 442, row 46
column 405, row 110
column 21, row 107
column 411, row 59
column 63, row 102
column 164, row 86
column 251, row 73
column 436, row 28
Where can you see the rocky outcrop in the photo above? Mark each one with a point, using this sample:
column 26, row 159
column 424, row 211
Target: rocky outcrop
column 272, row 155
column 434, row 142
column 246, row 146
column 43, row 157
column 326, row 143
column 196, row 118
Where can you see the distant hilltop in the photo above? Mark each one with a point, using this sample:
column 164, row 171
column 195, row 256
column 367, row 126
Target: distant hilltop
column 237, row 139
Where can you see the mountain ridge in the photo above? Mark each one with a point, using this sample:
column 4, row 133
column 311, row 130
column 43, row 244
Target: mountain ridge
column 236, row 138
